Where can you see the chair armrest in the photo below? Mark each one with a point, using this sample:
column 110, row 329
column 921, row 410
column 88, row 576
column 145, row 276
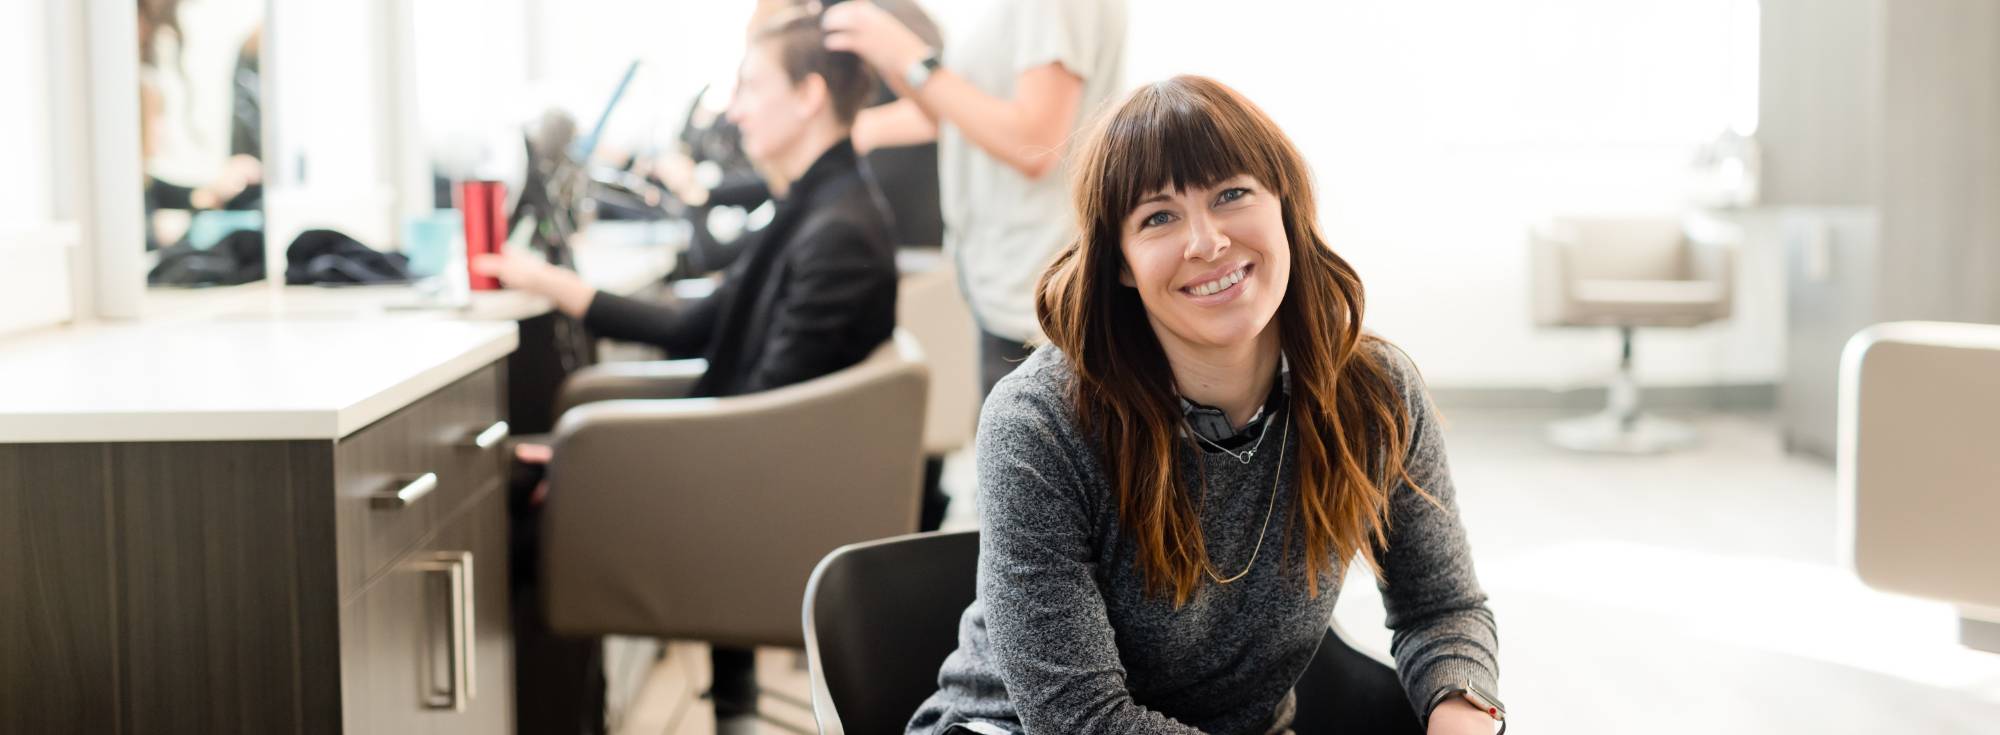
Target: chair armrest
column 1549, row 275
column 613, row 381
column 1712, row 253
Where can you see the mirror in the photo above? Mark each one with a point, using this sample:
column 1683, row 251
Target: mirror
column 201, row 140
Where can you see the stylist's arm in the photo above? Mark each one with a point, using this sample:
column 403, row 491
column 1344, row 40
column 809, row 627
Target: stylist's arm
column 1026, row 131
column 524, row 273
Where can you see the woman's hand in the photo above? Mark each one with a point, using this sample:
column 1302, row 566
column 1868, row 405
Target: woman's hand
column 571, row 294
column 1456, row 716
column 858, row 26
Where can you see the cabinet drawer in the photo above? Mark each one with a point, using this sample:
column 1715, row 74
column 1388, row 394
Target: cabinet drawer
column 427, row 647
column 428, row 451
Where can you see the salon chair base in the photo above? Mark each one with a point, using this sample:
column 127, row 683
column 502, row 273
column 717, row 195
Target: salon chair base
column 1612, row 433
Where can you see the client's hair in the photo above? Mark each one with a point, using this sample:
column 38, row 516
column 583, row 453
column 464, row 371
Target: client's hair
column 802, row 53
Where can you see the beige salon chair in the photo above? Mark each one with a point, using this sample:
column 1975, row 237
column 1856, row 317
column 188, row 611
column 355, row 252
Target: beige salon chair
column 1628, row 273
column 701, row 519
column 929, row 308
column 1919, row 420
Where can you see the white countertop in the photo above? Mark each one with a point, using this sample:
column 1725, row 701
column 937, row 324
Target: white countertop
column 272, row 362
column 231, row 378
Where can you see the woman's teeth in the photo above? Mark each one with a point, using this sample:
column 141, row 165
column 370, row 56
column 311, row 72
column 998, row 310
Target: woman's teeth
column 1218, row 284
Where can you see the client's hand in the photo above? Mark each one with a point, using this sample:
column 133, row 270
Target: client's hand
column 1459, row 717
column 536, row 454
column 533, row 275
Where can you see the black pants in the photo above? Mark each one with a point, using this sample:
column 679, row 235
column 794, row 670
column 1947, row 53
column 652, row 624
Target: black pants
column 998, row 356
column 558, row 680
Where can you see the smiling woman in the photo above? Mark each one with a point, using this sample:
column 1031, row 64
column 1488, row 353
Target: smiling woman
column 1207, row 367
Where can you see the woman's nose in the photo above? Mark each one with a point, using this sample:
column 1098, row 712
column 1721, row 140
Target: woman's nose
column 1205, row 238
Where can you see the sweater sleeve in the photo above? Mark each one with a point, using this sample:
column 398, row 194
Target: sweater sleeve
column 1052, row 638
column 683, row 331
column 1444, row 633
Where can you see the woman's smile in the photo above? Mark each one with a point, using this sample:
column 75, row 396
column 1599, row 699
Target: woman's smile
column 1214, row 290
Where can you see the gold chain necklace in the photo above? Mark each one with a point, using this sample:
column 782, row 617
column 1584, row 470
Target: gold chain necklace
column 1275, row 476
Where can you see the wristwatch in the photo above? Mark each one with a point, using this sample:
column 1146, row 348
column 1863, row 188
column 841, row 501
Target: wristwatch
column 1477, row 697
column 920, row 71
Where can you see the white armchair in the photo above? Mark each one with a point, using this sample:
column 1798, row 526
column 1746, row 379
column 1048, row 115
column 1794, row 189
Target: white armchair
column 1628, row 273
column 1919, row 420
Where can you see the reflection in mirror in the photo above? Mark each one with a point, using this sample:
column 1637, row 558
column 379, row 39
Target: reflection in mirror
column 201, row 140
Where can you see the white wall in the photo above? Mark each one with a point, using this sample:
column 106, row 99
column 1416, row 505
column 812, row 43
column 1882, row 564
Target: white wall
column 565, row 55
column 1439, row 130
column 34, row 252
column 24, row 133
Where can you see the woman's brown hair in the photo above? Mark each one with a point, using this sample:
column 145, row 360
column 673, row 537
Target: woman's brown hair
column 1352, row 423
column 802, row 52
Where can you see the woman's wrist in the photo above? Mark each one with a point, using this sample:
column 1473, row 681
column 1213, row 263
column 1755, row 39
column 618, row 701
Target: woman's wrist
column 1455, row 716
column 571, row 295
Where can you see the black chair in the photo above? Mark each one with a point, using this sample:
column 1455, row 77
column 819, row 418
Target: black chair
column 881, row 616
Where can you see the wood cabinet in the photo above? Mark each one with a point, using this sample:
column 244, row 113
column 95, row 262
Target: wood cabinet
column 275, row 586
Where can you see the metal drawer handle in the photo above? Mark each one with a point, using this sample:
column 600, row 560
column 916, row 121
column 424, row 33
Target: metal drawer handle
column 407, row 494
column 457, row 565
column 492, row 436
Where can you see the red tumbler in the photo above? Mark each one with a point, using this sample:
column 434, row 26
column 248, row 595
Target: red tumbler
column 484, row 204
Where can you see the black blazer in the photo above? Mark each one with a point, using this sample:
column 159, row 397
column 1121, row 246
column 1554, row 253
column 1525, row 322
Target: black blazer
column 814, row 292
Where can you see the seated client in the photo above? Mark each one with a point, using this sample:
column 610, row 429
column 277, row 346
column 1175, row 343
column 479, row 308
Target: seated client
column 814, row 293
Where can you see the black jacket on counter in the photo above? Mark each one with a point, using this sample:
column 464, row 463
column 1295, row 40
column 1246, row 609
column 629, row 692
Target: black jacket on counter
column 814, row 293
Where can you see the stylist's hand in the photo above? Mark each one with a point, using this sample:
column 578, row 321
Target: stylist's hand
column 571, row 295
column 1459, row 717
column 858, row 26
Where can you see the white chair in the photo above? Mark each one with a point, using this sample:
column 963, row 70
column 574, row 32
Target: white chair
column 1919, row 424
column 1628, row 272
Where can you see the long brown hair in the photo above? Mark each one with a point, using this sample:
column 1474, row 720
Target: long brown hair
column 1352, row 423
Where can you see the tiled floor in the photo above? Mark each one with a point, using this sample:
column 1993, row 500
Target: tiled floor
column 1695, row 592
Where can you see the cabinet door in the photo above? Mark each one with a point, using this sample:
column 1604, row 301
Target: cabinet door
column 479, row 535
column 382, row 646
column 427, row 648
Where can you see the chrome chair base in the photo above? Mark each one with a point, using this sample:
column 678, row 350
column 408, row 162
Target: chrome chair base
column 1612, row 433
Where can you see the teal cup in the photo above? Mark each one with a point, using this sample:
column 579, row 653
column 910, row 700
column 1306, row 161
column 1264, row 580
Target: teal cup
column 429, row 241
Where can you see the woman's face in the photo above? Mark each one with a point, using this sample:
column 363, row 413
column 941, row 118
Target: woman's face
column 769, row 110
column 1210, row 264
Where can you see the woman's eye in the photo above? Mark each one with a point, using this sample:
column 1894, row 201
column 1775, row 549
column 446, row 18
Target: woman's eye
column 1231, row 194
column 1157, row 218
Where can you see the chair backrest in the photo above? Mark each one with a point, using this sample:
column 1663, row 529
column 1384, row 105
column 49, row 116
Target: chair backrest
column 701, row 519
column 1620, row 248
column 1919, row 416
column 881, row 616
column 930, row 308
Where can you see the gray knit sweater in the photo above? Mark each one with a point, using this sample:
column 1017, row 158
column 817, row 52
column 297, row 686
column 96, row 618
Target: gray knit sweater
column 1063, row 637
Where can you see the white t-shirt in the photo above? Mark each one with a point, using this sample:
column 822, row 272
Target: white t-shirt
column 1001, row 228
